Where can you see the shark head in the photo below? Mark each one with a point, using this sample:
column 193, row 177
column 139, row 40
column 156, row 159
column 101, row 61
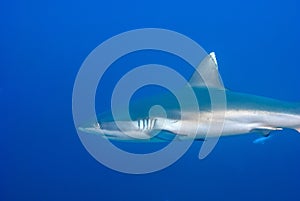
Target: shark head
column 141, row 125
column 140, row 129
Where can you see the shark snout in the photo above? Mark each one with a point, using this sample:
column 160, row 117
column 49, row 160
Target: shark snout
column 119, row 129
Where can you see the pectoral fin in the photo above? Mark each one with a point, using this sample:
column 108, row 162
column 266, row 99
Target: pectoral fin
column 165, row 135
column 262, row 140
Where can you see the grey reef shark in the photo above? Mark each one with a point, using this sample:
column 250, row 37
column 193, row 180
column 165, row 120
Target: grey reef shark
column 240, row 114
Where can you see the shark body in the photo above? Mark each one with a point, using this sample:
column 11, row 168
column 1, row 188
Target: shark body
column 244, row 114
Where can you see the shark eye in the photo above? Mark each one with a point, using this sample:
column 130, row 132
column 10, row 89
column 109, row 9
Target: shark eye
column 97, row 125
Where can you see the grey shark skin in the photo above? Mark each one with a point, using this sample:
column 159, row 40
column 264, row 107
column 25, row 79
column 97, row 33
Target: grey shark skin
column 244, row 114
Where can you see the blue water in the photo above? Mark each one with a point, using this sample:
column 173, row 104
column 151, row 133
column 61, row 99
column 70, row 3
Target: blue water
column 43, row 44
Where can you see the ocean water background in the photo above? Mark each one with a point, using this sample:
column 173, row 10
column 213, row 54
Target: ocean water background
column 43, row 44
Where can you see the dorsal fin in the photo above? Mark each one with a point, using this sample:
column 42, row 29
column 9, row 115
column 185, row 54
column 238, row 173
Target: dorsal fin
column 208, row 69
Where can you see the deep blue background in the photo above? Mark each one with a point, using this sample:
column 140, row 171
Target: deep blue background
column 42, row 46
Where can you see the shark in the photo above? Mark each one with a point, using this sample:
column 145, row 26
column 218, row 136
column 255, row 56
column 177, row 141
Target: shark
column 242, row 114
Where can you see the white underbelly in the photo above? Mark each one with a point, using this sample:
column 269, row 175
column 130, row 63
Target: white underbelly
column 234, row 123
